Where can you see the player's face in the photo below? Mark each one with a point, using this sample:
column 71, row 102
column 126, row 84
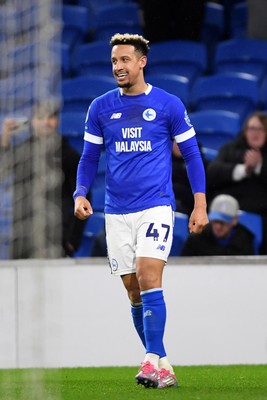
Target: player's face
column 221, row 230
column 127, row 65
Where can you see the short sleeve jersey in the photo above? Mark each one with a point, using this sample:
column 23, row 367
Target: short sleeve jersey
column 137, row 133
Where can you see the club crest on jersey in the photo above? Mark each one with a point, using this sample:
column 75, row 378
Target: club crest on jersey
column 149, row 114
column 114, row 264
column 187, row 119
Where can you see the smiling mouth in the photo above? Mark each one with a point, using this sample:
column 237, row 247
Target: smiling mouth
column 121, row 76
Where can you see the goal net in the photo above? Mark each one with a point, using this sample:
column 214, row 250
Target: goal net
column 30, row 175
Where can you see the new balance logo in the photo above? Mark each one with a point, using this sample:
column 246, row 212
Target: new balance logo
column 116, row 115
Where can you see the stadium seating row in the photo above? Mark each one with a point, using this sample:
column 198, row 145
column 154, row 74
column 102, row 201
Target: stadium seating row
column 178, row 66
column 181, row 57
column 106, row 17
column 233, row 91
column 88, row 21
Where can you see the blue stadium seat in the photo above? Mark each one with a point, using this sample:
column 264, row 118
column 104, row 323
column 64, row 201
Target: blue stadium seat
column 10, row 20
column 72, row 127
column 120, row 17
column 242, row 55
column 65, row 59
column 79, row 92
column 236, row 92
column 239, row 20
column 209, row 153
column 94, row 225
column 78, row 24
column 253, row 222
column 92, row 58
column 182, row 57
column 212, row 29
column 180, row 233
column 213, row 19
column 215, row 128
column 174, row 84
column 98, row 197
column 22, row 60
column 19, row 93
column 97, row 5
column 22, row 56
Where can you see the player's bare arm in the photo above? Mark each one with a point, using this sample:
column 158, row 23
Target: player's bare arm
column 82, row 208
column 199, row 218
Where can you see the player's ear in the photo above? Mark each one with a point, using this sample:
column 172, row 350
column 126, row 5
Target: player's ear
column 143, row 61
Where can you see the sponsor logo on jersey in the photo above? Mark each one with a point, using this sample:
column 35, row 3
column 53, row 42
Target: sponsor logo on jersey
column 149, row 114
column 187, row 119
column 128, row 147
column 116, row 115
column 134, row 132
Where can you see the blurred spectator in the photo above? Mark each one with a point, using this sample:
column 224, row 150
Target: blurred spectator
column 173, row 19
column 43, row 167
column 223, row 236
column 240, row 169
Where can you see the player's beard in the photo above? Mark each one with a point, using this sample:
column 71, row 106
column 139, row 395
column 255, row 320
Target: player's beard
column 127, row 85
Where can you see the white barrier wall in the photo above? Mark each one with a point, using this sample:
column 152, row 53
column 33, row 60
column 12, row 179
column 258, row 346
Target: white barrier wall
column 73, row 313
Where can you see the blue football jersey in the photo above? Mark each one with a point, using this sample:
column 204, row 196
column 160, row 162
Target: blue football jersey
column 138, row 133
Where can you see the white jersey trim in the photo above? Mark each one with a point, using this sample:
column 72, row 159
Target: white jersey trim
column 147, row 91
column 92, row 138
column 185, row 136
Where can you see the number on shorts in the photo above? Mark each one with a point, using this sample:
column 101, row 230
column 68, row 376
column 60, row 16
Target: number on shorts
column 153, row 232
column 167, row 227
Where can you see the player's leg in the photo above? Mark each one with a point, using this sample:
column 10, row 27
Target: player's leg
column 131, row 285
column 149, row 274
column 121, row 240
column 155, row 238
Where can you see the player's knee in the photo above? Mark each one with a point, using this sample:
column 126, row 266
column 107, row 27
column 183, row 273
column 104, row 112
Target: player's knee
column 149, row 281
column 131, row 285
column 134, row 296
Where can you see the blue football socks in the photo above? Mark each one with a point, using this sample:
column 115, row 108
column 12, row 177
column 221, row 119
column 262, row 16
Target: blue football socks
column 137, row 315
column 154, row 318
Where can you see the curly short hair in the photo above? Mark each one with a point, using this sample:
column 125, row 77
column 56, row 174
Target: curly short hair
column 139, row 42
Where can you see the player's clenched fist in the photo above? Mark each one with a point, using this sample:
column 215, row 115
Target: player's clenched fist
column 82, row 208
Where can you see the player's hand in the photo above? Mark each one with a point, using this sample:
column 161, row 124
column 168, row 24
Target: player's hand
column 199, row 218
column 82, row 208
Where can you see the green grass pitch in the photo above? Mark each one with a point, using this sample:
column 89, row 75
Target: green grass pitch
column 236, row 382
